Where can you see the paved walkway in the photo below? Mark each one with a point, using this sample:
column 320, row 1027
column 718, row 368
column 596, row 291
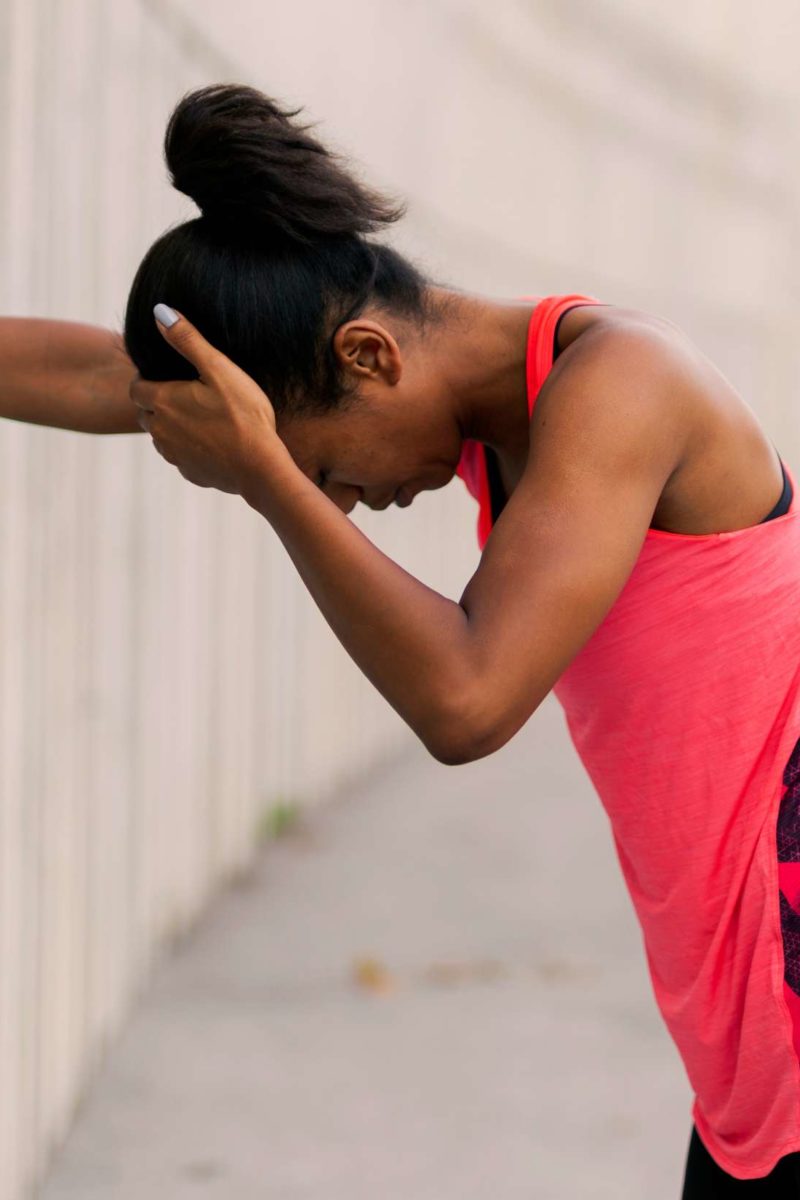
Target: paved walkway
column 433, row 989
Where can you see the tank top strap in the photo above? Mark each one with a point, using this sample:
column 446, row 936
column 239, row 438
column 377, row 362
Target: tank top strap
column 541, row 336
column 472, row 467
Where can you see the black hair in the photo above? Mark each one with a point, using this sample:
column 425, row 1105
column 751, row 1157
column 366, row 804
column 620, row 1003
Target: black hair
column 279, row 258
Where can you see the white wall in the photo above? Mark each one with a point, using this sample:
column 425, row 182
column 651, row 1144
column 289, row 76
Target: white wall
column 164, row 679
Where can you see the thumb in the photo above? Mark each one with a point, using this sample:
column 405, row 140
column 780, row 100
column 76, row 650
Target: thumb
column 184, row 338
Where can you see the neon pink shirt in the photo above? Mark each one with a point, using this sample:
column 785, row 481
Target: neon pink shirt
column 684, row 708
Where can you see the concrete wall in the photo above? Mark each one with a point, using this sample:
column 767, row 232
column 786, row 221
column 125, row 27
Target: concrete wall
column 164, row 679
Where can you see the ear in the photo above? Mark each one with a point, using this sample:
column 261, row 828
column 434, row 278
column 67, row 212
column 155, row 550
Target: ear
column 367, row 350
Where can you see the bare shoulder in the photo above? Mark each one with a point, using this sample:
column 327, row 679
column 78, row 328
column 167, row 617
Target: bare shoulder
column 618, row 398
column 632, row 390
column 582, row 317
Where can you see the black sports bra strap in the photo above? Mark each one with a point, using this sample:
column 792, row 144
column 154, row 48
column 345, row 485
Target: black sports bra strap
column 497, row 494
column 785, row 500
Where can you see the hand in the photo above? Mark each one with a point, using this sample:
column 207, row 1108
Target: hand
column 214, row 429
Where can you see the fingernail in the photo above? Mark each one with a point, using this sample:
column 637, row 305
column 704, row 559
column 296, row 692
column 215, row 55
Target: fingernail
column 165, row 315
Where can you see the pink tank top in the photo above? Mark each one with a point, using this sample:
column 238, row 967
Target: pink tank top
column 684, row 707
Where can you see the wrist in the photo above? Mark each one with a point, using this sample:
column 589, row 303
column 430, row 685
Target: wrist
column 269, row 470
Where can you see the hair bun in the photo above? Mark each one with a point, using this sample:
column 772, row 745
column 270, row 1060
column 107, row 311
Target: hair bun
column 250, row 168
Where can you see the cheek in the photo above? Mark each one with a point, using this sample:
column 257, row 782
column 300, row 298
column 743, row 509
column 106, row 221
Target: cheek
column 380, row 455
column 378, row 463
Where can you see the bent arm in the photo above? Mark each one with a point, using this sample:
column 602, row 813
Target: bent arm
column 606, row 434
column 609, row 429
column 65, row 374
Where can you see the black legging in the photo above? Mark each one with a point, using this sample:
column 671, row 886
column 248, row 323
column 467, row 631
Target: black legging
column 704, row 1180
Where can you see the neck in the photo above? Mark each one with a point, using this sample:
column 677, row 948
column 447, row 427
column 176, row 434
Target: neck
column 483, row 348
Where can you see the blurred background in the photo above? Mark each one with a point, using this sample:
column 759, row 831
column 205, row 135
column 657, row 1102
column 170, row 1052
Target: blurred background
column 169, row 694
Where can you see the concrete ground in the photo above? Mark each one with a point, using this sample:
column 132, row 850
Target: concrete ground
column 433, row 989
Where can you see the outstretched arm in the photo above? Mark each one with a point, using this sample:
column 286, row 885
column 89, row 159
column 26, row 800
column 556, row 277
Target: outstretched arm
column 65, row 374
column 607, row 432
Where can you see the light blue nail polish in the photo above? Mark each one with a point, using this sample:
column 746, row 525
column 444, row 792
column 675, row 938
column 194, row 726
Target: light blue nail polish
column 165, row 315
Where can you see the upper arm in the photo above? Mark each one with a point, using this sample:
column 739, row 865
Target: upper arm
column 608, row 429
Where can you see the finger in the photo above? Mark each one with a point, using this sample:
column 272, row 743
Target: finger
column 184, row 338
column 144, row 419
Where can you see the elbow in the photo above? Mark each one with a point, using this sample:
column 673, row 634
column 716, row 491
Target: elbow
column 458, row 738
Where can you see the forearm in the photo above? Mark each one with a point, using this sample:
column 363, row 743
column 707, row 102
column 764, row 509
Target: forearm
column 65, row 374
column 414, row 644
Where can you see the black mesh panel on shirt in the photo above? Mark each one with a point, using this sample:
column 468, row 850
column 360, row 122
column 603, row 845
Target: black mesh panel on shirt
column 788, row 840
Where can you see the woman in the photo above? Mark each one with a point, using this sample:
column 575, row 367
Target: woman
column 640, row 557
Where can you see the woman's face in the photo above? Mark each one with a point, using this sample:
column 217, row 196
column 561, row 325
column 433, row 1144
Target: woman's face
column 397, row 437
column 376, row 451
